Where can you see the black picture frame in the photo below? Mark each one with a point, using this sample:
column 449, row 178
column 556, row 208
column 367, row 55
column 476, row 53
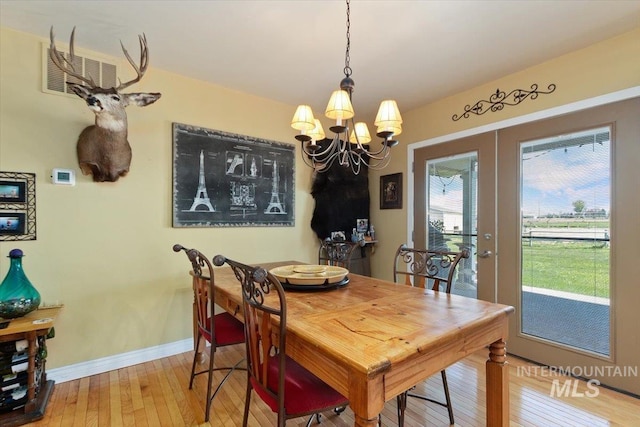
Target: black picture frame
column 17, row 206
column 222, row 179
column 391, row 191
column 13, row 191
column 12, row 223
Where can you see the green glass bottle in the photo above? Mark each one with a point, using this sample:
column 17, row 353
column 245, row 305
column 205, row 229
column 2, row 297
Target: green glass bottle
column 17, row 295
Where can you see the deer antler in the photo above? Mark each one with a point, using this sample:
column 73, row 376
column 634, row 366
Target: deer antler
column 144, row 61
column 65, row 64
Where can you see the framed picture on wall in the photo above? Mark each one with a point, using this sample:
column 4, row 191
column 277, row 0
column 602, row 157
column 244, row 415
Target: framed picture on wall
column 12, row 223
column 222, row 179
column 13, row 191
column 391, row 191
column 17, row 206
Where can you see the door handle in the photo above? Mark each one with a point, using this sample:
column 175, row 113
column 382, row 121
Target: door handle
column 485, row 254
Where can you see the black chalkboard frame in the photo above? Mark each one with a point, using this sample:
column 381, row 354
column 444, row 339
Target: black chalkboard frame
column 222, row 179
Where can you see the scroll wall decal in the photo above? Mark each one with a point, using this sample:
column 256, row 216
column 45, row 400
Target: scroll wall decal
column 498, row 100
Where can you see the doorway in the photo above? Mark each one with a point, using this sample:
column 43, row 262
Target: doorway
column 455, row 203
column 554, row 232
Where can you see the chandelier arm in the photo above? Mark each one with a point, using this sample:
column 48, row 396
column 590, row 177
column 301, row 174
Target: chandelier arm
column 330, row 148
column 380, row 154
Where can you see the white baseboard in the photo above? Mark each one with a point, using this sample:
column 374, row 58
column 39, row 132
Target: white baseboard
column 105, row 364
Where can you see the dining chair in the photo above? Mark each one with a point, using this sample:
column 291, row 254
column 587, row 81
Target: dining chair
column 285, row 386
column 432, row 269
column 218, row 330
column 336, row 253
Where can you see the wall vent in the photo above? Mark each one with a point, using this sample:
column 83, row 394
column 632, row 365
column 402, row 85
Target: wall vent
column 102, row 70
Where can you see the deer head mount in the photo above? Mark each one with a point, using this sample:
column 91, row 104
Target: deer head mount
column 103, row 149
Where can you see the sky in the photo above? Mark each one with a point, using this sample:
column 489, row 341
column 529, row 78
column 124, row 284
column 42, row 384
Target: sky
column 552, row 179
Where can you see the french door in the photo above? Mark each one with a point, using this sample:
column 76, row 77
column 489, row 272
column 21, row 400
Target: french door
column 568, row 211
column 565, row 252
column 455, row 208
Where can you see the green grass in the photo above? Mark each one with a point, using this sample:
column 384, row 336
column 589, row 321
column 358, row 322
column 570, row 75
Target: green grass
column 576, row 267
column 565, row 223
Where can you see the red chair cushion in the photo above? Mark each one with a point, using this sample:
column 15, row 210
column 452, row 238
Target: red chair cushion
column 304, row 392
column 228, row 330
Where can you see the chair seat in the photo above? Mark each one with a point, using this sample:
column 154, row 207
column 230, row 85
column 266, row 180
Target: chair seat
column 304, row 392
column 229, row 330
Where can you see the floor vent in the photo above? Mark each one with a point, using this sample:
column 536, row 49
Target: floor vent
column 102, row 70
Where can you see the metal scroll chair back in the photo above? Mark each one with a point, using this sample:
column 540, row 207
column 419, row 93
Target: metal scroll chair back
column 336, row 253
column 219, row 330
column 285, row 386
column 432, row 269
column 427, row 268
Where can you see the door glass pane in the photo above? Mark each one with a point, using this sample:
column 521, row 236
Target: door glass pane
column 565, row 205
column 452, row 186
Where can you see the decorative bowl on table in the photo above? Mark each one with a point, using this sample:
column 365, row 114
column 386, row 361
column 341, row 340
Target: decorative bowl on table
column 310, row 275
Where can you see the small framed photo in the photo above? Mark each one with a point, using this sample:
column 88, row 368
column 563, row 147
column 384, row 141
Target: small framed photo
column 362, row 225
column 391, row 191
column 13, row 191
column 12, row 223
column 338, row 236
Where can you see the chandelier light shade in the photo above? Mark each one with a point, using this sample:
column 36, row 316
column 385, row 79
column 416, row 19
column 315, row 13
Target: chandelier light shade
column 360, row 133
column 317, row 133
column 339, row 107
column 303, row 118
column 350, row 144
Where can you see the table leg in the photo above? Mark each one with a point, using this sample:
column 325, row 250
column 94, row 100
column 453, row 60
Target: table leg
column 366, row 399
column 361, row 422
column 497, row 385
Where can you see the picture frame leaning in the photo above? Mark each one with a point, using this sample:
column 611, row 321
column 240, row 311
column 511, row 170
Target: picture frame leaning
column 391, row 191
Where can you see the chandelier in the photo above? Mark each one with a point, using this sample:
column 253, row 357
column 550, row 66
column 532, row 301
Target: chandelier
column 350, row 144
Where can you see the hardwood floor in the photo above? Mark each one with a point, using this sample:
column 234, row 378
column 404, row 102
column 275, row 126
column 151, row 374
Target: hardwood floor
column 156, row 394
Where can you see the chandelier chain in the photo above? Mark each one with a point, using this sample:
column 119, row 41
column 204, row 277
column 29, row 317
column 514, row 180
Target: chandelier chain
column 347, row 68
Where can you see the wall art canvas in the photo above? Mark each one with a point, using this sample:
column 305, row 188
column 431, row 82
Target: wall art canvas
column 221, row 179
column 391, row 191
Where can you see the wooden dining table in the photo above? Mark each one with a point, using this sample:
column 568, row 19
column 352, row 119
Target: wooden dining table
column 373, row 339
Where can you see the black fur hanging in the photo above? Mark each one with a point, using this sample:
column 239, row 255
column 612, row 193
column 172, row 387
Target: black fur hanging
column 341, row 199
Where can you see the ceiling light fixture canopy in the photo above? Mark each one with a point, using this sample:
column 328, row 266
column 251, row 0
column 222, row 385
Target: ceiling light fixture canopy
column 350, row 143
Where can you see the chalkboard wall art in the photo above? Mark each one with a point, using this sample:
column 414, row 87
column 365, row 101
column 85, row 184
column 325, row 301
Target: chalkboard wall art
column 222, row 179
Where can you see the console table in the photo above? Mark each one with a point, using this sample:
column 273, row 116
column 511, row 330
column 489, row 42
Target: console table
column 33, row 327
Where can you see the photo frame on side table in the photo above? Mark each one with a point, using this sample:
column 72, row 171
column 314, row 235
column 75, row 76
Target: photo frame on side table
column 391, row 191
column 17, row 206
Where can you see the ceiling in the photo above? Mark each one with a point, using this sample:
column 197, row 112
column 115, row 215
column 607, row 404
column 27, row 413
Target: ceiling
column 294, row 51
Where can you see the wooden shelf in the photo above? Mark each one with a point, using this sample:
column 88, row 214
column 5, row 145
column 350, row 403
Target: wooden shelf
column 30, row 327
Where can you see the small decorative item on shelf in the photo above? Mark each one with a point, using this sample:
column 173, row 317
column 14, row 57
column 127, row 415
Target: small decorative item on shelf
column 17, row 295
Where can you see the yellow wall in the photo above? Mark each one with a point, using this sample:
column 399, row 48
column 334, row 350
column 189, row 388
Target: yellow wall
column 104, row 249
column 599, row 69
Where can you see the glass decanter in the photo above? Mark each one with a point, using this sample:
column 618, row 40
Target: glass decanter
column 17, row 295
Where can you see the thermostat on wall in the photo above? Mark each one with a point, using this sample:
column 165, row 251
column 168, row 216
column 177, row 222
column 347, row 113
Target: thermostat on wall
column 63, row 176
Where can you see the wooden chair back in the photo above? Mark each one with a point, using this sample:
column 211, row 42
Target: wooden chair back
column 264, row 306
column 426, row 268
column 203, row 294
column 336, row 253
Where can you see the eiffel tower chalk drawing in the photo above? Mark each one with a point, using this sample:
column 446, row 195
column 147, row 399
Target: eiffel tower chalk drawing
column 201, row 198
column 275, row 207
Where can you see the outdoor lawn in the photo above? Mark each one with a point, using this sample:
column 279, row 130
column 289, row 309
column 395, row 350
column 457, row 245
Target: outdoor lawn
column 576, row 267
